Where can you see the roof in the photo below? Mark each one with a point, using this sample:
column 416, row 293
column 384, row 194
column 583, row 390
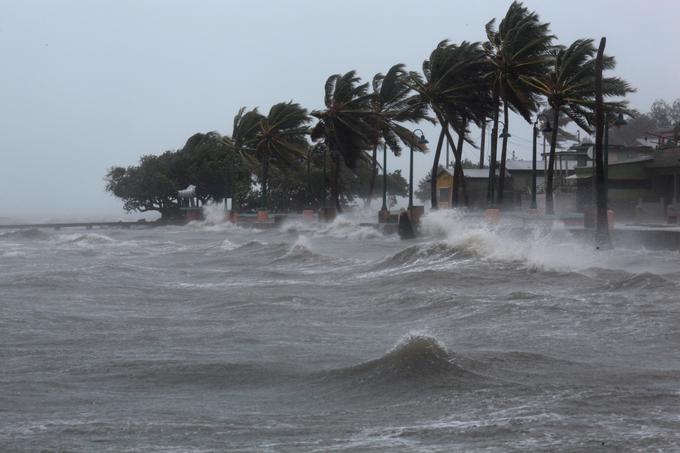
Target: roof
column 666, row 159
column 519, row 165
column 482, row 173
column 666, row 132
column 474, row 173
column 634, row 160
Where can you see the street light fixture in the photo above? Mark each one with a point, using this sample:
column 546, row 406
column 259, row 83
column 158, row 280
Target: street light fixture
column 548, row 128
column 620, row 121
column 534, row 205
column 323, row 180
column 421, row 141
column 384, row 197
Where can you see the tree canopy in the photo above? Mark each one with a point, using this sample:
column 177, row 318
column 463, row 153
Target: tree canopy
column 279, row 156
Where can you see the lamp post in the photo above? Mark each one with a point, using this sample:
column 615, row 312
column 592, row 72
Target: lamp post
column 505, row 133
column 323, row 180
column 547, row 129
column 308, row 197
column 501, row 170
column 534, row 205
column 421, row 141
column 384, row 203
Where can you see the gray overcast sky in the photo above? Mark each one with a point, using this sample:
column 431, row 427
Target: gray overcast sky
column 86, row 85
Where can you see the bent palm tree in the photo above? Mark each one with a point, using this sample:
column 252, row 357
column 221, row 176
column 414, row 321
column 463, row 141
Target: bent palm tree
column 569, row 86
column 346, row 124
column 240, row 149
column 517, row 50
column 455, row 86
column 281, row 140
column 392, row 102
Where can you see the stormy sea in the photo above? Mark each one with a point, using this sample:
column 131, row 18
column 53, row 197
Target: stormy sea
column 335, row 337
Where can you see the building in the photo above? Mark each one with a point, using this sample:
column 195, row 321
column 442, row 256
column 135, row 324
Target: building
column 642, row 186
column 476, row 182
column 521, row 172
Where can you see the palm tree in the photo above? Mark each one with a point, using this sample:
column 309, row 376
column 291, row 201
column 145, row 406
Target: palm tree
column 455, row 86
column 393, row 103
column 517, row 50
column 569, row 86
column 346, row 124
column 240, row 149
column 281, row 140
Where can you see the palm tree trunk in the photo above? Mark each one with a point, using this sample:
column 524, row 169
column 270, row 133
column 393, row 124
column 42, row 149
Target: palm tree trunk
column 374, row 172
column 265, row 175
column 481, row 146
column 461, row 137
column 490, row 195
column 504, row 153
column 549, row 201
column 335, row 187
column 602, row 238
column 435, row 169
column 459, row 176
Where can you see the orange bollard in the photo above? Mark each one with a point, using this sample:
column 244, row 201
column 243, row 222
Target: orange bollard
column 493, row 215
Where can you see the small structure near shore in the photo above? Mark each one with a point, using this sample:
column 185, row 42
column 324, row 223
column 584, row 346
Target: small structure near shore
column 189, row 203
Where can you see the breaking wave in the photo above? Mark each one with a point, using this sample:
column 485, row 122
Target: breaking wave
column 548, row 247
column 416, row 358
column 644, row 280
column 342, row 227
column 84, row 238
column 29, row 233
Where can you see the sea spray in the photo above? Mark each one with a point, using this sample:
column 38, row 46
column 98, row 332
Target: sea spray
column 536, row 246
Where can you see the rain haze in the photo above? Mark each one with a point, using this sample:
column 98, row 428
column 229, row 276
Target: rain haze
column 260, row 296
column 91, row 85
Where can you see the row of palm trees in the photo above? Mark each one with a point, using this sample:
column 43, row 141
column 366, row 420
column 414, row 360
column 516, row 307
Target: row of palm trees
column 519, row 68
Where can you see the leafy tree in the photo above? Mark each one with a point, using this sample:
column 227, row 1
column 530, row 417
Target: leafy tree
column 665, row 115
column 569, row 86
column 517, row 51
column 214, row 167
column 150, row 186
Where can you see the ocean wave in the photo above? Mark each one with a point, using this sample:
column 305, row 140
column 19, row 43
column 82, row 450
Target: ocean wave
column 342, row 227
column 84, row 239
column 300, row 253
column 427, row 254
column 541, row 247
column 29, row 233
column 228, row 245
column 416, row 359
column 186, row 372
column 644, row 280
